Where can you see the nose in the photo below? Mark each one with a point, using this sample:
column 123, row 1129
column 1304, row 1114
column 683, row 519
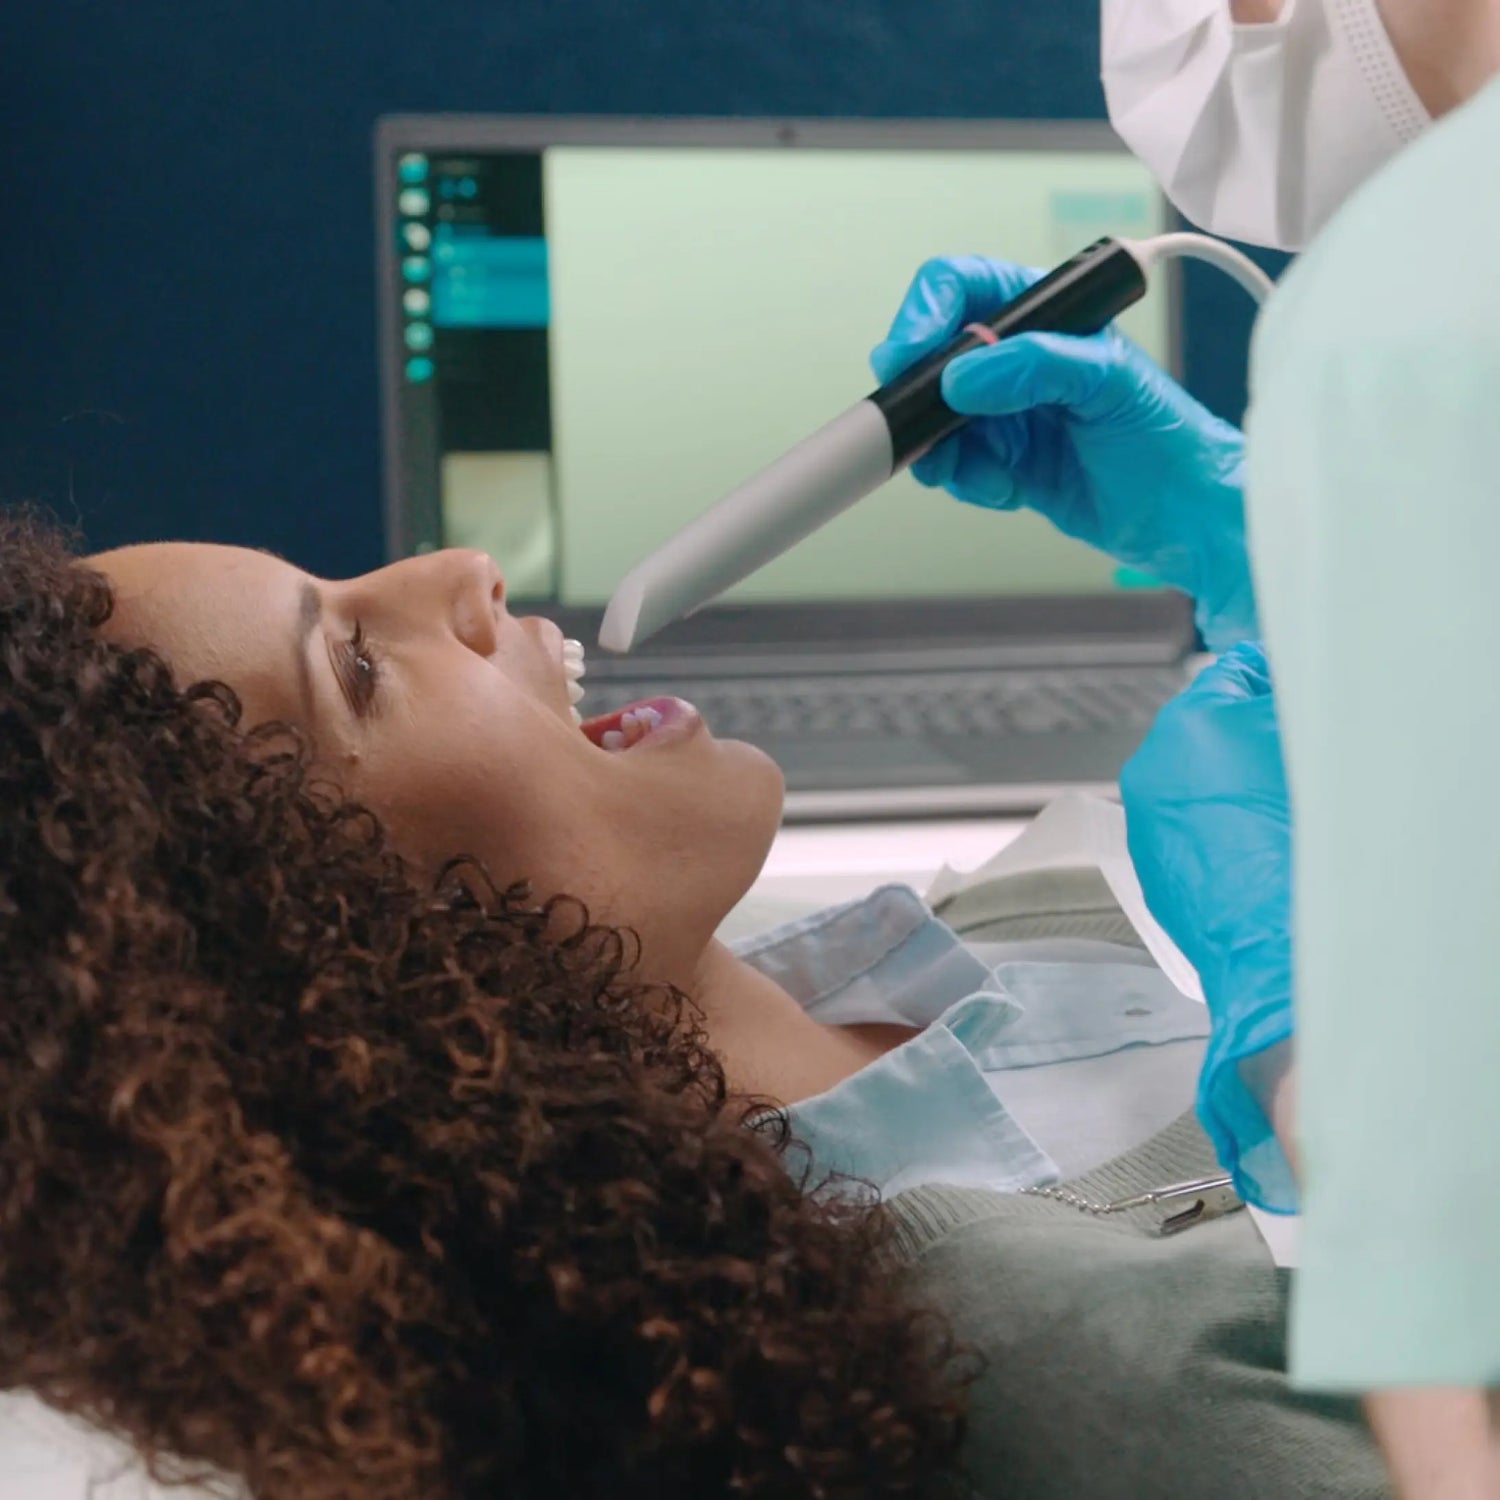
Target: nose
column 457, row 587
column 476, row 597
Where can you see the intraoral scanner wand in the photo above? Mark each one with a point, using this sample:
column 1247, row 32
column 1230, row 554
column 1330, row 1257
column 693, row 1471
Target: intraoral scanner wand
column 855, row 453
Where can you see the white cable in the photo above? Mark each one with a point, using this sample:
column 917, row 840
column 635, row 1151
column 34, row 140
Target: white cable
column 1203, row 247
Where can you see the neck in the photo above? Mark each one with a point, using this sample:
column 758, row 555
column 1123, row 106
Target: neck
column 770, row 1046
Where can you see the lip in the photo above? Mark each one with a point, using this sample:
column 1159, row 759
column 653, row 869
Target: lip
column 679, row 721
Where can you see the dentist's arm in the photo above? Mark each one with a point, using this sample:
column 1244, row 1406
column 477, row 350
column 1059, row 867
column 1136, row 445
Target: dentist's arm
column 1440, row 1442
column 1088, row 432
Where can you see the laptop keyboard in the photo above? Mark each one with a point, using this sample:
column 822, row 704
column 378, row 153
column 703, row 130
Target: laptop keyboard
column 941, row 704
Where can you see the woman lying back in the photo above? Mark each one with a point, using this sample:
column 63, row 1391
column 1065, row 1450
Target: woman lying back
column 315, row 1177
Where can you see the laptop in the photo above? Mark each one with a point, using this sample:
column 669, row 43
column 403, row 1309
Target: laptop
column 590, row 329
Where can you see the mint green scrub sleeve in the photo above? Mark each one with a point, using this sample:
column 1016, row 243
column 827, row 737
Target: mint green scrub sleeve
column 1374, row 516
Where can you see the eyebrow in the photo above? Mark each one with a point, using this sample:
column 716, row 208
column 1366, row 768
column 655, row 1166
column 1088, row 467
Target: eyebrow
column 309, row 613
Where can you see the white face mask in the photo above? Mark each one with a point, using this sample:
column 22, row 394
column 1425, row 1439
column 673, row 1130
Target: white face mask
column 1257, row 132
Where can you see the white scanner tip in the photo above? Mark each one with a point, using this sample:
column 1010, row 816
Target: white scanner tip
column 622, row 615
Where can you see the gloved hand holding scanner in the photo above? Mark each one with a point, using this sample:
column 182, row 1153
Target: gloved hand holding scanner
column 910, row 415
column 1088, row 432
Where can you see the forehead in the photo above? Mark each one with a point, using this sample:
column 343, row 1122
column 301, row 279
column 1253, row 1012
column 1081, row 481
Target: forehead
column 223, row 612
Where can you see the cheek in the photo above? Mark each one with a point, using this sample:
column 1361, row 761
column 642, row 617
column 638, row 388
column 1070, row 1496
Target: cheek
column 512, row 790
column 512, row 796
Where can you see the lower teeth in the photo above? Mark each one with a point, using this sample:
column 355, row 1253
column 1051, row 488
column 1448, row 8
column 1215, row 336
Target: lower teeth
column 642, row 719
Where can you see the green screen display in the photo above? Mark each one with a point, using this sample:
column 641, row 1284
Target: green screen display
column 708, row 308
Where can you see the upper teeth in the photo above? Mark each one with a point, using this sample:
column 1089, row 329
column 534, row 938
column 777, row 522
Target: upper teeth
column 573, row 670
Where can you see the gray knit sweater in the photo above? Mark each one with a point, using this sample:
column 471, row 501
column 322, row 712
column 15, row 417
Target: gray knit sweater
column 1120, row 1363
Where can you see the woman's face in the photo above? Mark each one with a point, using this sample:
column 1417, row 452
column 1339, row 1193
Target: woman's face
column 427, row 700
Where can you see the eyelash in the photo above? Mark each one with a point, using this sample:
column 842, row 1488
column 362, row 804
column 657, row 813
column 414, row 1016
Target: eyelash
column 364, row 669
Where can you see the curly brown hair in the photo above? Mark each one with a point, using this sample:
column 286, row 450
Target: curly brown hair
column 359, row 1189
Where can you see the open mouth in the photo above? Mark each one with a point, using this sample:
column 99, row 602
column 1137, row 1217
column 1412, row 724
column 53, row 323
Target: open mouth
column 652, row 719
column 649, row 721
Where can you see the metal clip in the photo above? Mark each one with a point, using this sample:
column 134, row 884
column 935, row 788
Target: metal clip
column 1212, row 1198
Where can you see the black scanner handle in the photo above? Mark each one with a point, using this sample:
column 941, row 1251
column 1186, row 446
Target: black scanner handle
column 1081, row 297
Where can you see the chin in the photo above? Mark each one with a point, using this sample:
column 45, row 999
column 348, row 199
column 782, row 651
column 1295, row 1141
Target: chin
column 759, row 791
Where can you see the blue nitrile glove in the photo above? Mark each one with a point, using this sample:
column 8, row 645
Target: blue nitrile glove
column 1209, row 829
column 1089, row 432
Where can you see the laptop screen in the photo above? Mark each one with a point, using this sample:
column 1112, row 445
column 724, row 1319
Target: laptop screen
column 588, row 344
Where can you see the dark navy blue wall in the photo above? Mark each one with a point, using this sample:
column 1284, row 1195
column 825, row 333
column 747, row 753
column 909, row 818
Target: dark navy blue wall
column 186, row 290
